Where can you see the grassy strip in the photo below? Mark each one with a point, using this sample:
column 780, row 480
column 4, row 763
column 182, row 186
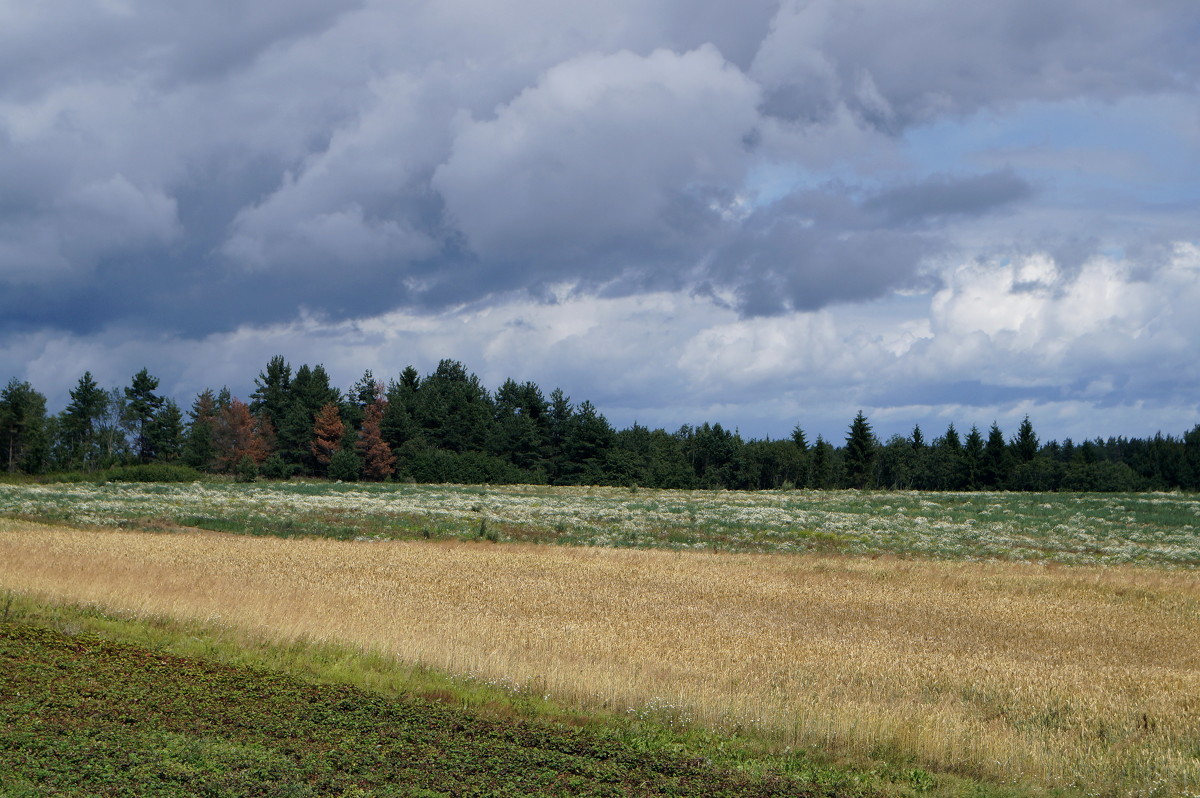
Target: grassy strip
column 1155, row 530
column 92, row 704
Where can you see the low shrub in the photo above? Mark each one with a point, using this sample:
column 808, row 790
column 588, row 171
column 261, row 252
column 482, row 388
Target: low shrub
column 152, row 472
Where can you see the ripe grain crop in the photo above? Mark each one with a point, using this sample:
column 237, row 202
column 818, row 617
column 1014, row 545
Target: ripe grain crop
column 1039, row 673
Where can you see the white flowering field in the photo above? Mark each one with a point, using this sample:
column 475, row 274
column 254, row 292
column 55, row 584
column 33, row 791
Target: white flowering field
column 1156, row 529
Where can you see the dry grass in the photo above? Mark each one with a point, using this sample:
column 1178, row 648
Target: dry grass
column 1053, row 675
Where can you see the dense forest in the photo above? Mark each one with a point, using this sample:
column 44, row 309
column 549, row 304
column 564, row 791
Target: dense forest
column 447, row 427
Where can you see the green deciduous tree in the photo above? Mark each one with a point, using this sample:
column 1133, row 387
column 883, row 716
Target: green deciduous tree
column 114, row 430
column 23, row 442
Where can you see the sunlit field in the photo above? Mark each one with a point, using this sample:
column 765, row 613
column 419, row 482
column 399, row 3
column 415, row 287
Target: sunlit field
column 1160, row 530
column 1037, row 673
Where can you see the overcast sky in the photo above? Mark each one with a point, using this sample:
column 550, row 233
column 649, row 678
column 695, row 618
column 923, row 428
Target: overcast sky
column 755, row 213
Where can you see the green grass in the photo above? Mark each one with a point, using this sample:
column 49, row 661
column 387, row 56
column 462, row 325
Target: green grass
column 1155, row 529
column 92, row 704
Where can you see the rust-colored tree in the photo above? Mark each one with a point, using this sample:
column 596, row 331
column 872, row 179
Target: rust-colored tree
column 239, row 435
column 327, row 433
column 378, row 460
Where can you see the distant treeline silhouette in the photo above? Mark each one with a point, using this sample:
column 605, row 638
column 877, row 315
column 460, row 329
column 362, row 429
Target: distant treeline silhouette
column 447, row 427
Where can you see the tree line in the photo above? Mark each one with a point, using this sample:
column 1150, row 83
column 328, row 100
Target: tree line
column 447, row 427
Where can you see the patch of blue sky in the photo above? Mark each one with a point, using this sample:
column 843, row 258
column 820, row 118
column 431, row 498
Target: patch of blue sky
column 767, row 182
column 1146, row 149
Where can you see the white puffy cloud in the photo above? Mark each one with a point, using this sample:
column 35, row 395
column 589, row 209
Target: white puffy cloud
column 1110, row 355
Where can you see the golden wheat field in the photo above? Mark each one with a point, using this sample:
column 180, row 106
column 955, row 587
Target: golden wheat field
column 1047, row 674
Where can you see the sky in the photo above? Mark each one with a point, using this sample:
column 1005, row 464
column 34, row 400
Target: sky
column 759, row 213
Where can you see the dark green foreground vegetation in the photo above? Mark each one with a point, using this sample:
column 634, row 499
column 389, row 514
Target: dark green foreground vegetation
column 446, row 427
column 86, row 712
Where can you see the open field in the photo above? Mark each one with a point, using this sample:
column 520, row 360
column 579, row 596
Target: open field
column 87, row 717
column 1086, row 677
column 1160, row 530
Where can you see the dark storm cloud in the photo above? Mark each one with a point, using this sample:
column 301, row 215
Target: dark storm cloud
column 198, row 168
column 823, row 246
column 940, row 197
column 814, row 249
column 42, row 48
column 897, row 64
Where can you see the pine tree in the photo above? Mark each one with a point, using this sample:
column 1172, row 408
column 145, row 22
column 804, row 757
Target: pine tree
column 453, row 409
column 141, row 406
column 87, row 406
column 272, row 393
column 377, row 457
column 164, row 433
column 588, row 439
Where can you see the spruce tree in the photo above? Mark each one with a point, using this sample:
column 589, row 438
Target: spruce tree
column 199, row 447
column 997, row 461
column 241, row 438
column 1025, row 444
column 377, row 458
column 860, row 452
column 822, row 464
column 328, row 431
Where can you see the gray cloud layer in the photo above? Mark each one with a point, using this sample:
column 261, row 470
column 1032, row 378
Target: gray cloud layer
column 196, row 169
